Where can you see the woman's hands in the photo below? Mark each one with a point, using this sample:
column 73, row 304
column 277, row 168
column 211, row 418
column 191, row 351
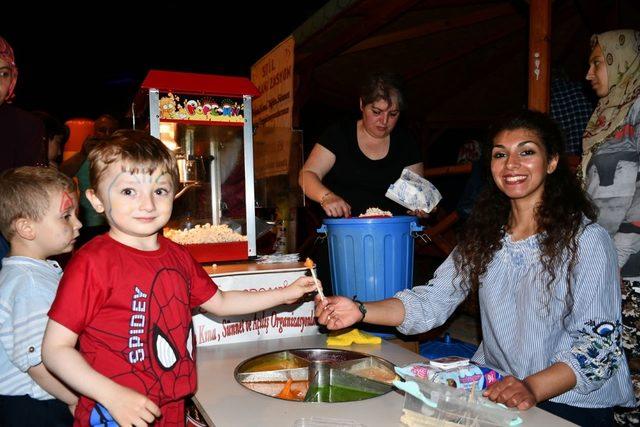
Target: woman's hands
column 337, row 312
column 511, row 392
column 419, row 213
column 335, row 206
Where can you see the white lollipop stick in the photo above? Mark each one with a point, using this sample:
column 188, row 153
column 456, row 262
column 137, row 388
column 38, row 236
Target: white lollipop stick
column 315, row 279
column 309, row 264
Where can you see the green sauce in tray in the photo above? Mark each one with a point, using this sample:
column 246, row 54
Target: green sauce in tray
column 337, row 394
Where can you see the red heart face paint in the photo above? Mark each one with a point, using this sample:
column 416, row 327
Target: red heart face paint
column 56, row 231
column 66, row 202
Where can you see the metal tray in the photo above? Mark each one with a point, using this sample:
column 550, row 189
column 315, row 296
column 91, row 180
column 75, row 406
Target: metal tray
column 273, row 367
column 313, row 375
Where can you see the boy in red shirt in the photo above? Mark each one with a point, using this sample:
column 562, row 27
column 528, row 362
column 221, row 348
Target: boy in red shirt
column 126, row 296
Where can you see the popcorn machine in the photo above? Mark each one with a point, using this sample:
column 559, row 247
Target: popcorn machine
column 205, row 120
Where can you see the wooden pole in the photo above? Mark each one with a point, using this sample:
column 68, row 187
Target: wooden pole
column 539, row 54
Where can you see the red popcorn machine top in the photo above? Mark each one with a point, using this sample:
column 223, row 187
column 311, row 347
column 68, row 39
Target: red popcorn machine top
column 205, row 120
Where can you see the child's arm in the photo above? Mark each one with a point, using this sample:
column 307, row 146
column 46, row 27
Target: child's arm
column 127, row 406
column 243, row 302
column 52, row 385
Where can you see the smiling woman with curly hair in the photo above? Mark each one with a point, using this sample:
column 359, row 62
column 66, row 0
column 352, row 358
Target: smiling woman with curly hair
column 547, row 280
column 559, row 217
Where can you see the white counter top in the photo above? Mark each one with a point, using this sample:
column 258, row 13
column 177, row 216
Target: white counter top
column 228, row 404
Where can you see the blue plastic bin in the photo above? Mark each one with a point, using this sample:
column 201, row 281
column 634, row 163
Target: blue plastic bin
column 370, row 257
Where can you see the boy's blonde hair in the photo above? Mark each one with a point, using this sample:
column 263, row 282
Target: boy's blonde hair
column 131, row 148
column 25, row 192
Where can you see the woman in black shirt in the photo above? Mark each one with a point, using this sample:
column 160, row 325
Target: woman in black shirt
column 352, row 166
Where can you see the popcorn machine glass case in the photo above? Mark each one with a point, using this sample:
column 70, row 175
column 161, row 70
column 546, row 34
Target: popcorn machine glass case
column 206, row 121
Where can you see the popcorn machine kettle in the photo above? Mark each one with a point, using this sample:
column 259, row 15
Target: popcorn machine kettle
column 205, row 120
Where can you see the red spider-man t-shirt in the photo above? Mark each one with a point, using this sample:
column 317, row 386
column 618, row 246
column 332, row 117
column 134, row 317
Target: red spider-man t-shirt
column 132, row 312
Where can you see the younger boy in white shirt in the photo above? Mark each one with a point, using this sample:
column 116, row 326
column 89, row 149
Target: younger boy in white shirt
column 38, row 217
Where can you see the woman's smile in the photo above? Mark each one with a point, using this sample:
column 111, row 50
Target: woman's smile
column 514, row 179
column 519, row 164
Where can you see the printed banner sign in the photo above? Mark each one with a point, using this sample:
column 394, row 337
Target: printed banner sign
column 271, row 152
column 277, row 322
column 273, row 76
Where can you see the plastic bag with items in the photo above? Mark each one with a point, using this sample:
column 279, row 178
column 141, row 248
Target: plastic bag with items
column 414, row 192
column 457, row 372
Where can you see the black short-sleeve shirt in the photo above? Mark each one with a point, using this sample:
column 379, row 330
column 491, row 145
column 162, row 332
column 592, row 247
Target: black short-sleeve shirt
column 363, row 182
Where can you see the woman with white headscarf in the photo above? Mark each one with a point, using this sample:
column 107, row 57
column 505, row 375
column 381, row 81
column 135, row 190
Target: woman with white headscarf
column 610, row 167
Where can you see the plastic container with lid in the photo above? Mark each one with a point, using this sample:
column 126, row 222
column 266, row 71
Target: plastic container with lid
column 371, row 257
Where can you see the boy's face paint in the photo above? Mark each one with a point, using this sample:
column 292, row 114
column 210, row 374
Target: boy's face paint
column 57, row 231
column 137, row 205
column 66, row 202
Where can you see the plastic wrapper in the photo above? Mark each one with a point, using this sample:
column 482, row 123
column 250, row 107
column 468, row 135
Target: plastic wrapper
column 414, row 192
column 463, row 377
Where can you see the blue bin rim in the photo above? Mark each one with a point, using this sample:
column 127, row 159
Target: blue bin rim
column 373, row 220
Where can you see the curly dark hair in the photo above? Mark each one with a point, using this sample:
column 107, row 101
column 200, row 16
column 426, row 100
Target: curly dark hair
column 559, row 216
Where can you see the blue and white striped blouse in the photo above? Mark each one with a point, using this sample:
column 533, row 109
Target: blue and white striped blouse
column 523, row 330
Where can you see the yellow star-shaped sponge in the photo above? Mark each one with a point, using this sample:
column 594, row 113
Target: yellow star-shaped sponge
column 352, row 336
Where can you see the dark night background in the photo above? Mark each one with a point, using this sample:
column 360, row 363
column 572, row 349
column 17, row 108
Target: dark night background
column 90, row 59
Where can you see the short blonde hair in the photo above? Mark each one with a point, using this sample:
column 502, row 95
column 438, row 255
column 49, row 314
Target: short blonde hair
column 25, row 192
column 132, row 148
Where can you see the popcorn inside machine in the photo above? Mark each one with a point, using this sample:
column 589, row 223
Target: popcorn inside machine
column 205, row 120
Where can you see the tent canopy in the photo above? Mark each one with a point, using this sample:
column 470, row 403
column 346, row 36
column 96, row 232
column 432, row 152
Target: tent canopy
column 464, row 61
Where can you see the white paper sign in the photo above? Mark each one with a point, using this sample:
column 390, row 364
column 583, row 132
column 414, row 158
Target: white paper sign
column 277, row 322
